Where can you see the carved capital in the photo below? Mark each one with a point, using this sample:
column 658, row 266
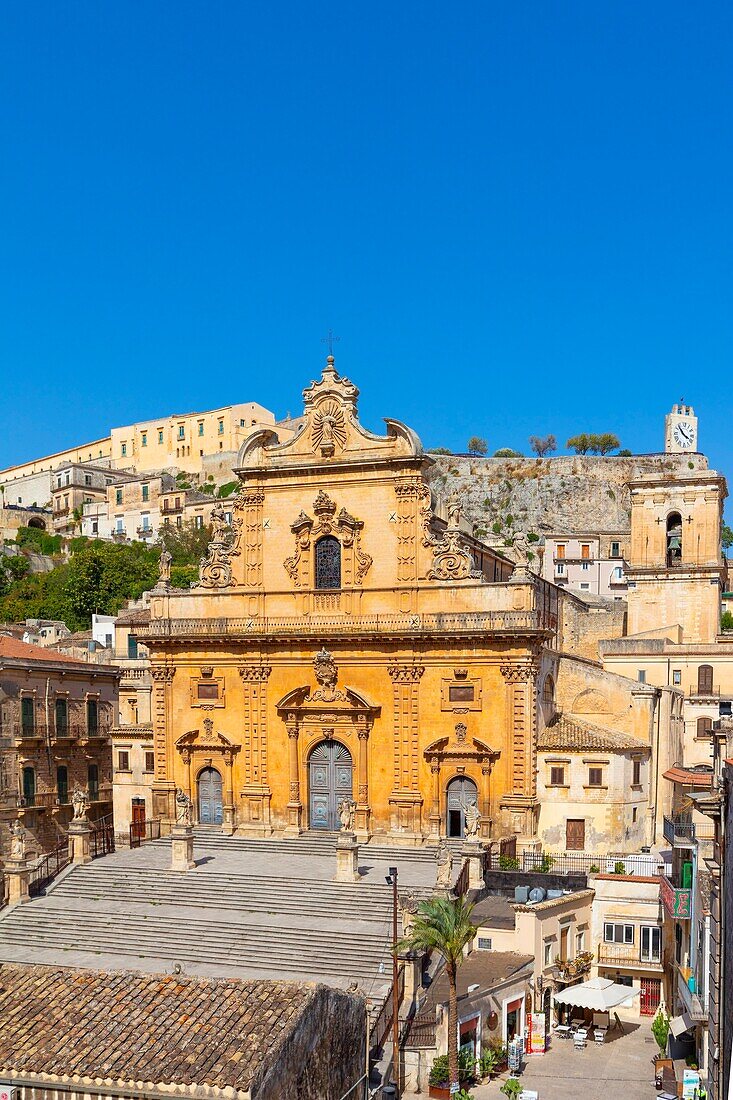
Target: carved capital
column 516, row 674
column 255, row 673
column 248, row 498
column 292, row 732
column 406, row 674
column 162, row 674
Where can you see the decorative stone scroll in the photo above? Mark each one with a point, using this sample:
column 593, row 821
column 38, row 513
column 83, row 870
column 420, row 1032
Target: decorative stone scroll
column 452, row 560
column 326, row 673
column 215, row 570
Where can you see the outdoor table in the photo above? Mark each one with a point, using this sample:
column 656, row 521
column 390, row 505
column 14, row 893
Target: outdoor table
column 563, row 1030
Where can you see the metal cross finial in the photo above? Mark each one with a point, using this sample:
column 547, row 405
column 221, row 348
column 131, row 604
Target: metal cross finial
column 330, row 340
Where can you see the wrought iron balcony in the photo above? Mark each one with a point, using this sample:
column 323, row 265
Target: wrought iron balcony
column 683, row 832
column 614, row 954
column 698, row 691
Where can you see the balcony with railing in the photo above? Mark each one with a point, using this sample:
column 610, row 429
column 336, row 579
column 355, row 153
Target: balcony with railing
column 626, row 957
column 20, row 732
column 425, row 624
column 688, row 994
column 676, row 898
column 144, row 532
column 704, row 691
column 683, row 832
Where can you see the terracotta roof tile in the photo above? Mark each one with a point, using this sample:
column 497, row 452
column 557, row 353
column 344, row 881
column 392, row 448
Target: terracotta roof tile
column 575, row 735
column 15, row 650
column 133, row 1027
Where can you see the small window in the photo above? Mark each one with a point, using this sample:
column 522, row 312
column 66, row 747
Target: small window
column 618, row 933
column 92, row 717
column 198, row 521
column 704, row 727
column 123, row 760
column 27, row 715
column 585, row 551
column 207, row 691
column 641, row 675
column 484, row 943
column 677, row 677
column 579, row 942
column 636, row 779
column 118, row 496
column 160, row 435
column 93, row 781
column 221, row 427
column 201, row 427
column 461, row 693
column 585, row 566
column 124, row 449
column 617, row 573
column 132, row 650
column 557, row 777
column 149, row 761
column 547, row 953
column 146, row 492
column 181, row 431
column 560, row 550
column 595, row 777
column 634, row 815
column 615, row 549
column 61, row 716
column 328, row 562
column 62, row 785
column 548, row 690
column 144, row 439
column 87, row 479
column 560, row 569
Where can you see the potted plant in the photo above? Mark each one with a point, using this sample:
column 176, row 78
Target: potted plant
column 439, row 1079
column 488, row 1062
column 511, row 1088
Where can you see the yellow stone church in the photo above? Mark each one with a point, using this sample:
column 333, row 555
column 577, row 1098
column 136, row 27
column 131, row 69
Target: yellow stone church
column 350, row 640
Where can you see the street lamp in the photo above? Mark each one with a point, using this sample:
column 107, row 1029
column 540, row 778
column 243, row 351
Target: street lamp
column 392, row 881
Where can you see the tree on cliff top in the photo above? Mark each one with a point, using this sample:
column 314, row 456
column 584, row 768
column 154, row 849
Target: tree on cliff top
column 542, row 444
column 477, row 445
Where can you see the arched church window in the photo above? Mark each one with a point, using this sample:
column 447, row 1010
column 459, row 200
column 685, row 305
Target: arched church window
column 328, row 562
column 548, row 690
column 674, row 539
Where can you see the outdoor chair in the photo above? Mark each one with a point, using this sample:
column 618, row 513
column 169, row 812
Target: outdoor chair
column 599, row 1035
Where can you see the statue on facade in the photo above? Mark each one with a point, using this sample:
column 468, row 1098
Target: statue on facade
column 80, row 802
column 164, row 566
column 521, row 549
column 444, row 868
column 184, row 808
column 472, row 816
column 347, row 810
column 454, row 511
column 17, row 841
column 409, row 903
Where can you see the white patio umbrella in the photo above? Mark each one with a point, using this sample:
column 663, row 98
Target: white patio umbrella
column 597, row 994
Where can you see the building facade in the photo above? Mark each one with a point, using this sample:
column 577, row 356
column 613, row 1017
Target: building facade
column 345, row 642
column 592, row 563
column 56, row 713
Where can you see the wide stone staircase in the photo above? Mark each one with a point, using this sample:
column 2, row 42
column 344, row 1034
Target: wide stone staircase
column 251, row 908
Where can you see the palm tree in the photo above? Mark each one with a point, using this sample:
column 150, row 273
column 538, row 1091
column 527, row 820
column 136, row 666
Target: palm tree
column 444, row 925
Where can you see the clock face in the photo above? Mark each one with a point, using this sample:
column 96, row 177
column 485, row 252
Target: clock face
column 684, row 434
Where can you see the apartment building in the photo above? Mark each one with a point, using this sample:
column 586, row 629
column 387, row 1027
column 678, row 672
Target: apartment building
column 184, row 441
column 75, row 484
column 131, row 509
column 592, row 563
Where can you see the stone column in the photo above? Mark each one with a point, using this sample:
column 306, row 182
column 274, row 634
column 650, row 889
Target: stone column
column 295, row 806
column 182, row 848
column 227, row 826
column 362, row 780
column 164, row 787
column 80, row 841
column 521, row 799
column 406, row 799
column 17, row 872
column 347, row 858
column 486, row 822
column 434, row 818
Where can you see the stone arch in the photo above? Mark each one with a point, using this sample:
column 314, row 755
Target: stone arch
column 37, row 522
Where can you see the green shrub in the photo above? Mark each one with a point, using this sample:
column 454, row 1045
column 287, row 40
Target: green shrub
column 532, row 536
column 660, row 1030
column 508, row 863
column 496, row 527
column 619, row 867
column 726, row 620
column 440, row 1074
column 227, row 489
column 511, row 1088
column 36, row 539
column 593, row 869
column 440, row 451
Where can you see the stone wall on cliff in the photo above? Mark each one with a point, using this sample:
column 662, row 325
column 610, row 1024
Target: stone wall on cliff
column 576, row 494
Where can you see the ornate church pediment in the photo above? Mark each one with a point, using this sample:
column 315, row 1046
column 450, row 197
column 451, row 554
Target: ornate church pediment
column 330, row 431
column 208, row 741
column 459, row 746
column 304, row 701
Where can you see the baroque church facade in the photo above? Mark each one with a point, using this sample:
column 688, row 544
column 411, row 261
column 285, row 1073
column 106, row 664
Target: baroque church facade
column 347, row 642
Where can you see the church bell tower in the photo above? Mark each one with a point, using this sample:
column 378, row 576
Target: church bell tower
column 680, row 429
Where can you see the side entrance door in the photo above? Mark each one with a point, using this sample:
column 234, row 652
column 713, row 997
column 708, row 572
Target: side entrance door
column 575, row 834
column 211, row 809
column 330, row 781
column 651, row 995
column 461, row 792
column 138, row 819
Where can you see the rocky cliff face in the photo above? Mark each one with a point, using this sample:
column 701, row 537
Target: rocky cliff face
column 567, row 495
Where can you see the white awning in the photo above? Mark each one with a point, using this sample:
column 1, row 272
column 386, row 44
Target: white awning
column 679, row 1024
column 598, row 994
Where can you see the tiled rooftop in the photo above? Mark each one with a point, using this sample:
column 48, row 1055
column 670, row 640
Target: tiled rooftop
column 574, row 735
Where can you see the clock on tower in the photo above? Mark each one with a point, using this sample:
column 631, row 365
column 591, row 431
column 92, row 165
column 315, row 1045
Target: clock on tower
column 680, row 433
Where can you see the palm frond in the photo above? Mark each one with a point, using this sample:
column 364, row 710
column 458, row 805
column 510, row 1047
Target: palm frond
column 443, row 925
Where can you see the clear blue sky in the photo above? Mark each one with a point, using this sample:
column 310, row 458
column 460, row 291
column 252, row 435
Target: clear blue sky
column 517, row 216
